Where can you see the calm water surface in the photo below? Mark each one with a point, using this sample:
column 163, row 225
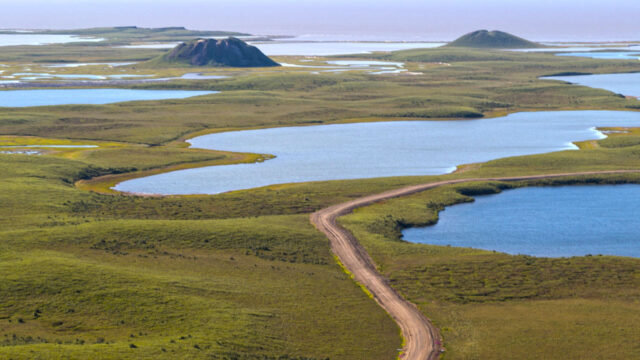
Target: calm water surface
column 626, row 84
column 23, row 98
column 565, row 49
column 324, row 48
column 35, row 39
column 75, row 65
column 365, row 150
column 150, row 46
column 45, row 76
column 336, row 48
column 613, row 55
column 373, row 67
column 549, row 221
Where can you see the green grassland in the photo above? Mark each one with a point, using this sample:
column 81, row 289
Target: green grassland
column 480, row 83
column 86, row 271
column 243, row 275
column 77, row 285
column 73, row 52
column 492, row 305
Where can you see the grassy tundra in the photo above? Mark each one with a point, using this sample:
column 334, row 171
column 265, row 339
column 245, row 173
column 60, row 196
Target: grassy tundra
column 243, row 275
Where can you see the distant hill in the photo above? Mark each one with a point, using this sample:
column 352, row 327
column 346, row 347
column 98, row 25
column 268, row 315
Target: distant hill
column 128, row 35
column 211, row 52
column 493, row 40
column 135, row 31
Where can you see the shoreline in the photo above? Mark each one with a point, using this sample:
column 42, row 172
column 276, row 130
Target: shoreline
column 421, row 338
column 455, row 169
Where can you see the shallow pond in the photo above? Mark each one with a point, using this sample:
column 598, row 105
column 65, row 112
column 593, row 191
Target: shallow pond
column 200, row 76
column 364, row 63
column 546, row 221
column 47, row 76
column 366, row 150
column 20, row 152
column 372, row 67
column 626, row 84
column 75, row 65
column 23, row 98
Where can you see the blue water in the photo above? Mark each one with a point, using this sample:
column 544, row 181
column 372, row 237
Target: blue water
column 559, row 50
column 200, row 76
column 335, row 48
column 373, row 67
column 150, row 46
column 549, row 222
column 44, row 76
column 41, row 39
column 23, row 98
column 626, row 84
column 366, row 150
column 613, row 55
column 75, row 65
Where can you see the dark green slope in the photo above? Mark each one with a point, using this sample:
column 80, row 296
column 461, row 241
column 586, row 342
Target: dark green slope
column 230, row 52
column 493, row 40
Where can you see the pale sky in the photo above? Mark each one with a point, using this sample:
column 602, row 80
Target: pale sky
column 426, row 19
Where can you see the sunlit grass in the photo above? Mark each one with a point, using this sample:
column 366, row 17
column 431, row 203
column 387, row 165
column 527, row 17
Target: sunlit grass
column 243, row 274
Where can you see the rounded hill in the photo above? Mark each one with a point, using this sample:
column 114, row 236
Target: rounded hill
column 493, row 40
column 231, row 52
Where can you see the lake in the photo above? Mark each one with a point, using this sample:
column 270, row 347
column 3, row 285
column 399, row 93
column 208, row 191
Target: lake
column 616, row 52
column 565, row 49
column 336, row 48
column 24, row 98
column 543, row 221
column 35, row 39
column 627, row 84
column 613, row 55
column 170, row 45
column 305, row 48
column 378, row 149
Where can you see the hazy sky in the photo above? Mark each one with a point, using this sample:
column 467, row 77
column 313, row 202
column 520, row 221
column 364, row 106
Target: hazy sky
column 426, row 19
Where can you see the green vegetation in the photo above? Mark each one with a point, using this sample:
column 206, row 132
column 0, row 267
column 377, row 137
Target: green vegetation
column 492, row 40
column 243, row 275
column 489, row 304
column 78, row 285
column 480, row 83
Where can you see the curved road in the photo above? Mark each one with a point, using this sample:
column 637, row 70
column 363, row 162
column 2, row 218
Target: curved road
column 422, row 340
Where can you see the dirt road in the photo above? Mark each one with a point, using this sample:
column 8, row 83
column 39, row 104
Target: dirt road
column 422, row 340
